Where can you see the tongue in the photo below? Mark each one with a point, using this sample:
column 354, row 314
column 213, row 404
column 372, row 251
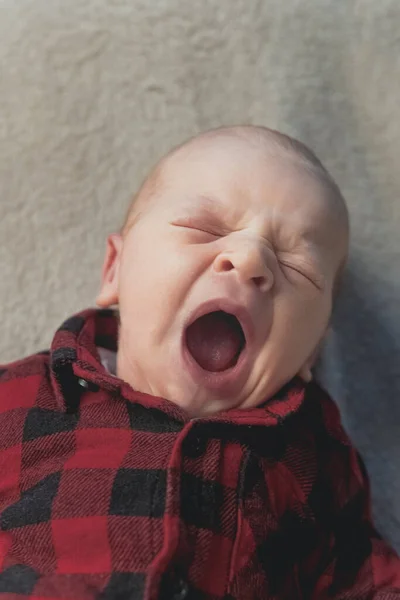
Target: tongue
column 215, row 341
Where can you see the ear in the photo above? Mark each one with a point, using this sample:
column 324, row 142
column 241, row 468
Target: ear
column 305, row 371
column 108, row 294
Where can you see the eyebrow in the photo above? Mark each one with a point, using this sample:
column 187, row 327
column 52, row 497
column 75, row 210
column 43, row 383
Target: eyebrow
column 204, row 203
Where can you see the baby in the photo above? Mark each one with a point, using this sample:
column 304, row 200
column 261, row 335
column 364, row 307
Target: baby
column 179, row 448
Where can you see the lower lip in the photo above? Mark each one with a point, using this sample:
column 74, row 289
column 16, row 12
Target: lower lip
column 223, row 383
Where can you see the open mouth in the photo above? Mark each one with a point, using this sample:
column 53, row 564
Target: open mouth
column 215, row 341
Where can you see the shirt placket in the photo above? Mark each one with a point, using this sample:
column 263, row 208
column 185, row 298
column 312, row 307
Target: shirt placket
column 201, row 516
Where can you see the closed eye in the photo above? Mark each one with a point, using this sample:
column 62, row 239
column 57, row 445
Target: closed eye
column 316, row 281
column 199, row 229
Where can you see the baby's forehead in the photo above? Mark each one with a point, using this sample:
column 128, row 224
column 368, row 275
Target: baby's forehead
column 217, row 156
column 221, row 171
column 233, row 172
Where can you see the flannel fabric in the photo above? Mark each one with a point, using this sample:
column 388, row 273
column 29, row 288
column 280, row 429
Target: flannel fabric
column 108, row 493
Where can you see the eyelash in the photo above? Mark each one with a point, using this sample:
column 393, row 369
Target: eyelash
column 282, row 263
column 297, row 271
column 202, row 230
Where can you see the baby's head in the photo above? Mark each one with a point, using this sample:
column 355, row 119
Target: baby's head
column 239, row 221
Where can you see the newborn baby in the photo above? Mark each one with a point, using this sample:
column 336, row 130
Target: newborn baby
column 241, row 222
column 179, row 448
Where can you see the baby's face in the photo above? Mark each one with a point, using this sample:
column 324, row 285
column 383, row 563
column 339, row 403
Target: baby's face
column 229, row 223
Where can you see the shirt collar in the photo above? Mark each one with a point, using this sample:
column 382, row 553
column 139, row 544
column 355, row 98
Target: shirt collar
column 74, row 357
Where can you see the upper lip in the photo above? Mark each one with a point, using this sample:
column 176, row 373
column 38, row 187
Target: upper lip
column 225, row 304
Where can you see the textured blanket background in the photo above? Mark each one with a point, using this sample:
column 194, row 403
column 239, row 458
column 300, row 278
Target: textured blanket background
column 93, row 92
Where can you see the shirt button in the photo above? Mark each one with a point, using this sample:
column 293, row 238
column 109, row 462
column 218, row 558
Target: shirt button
column 88, row 385
column 180, row 590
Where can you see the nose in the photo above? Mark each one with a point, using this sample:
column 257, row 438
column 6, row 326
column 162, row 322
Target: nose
column 251, row 263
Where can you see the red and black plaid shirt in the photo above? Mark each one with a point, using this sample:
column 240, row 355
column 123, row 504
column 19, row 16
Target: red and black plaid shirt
column 109, row 493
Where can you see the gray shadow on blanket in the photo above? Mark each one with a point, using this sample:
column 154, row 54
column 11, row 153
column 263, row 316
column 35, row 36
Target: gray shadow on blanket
column 360, row 367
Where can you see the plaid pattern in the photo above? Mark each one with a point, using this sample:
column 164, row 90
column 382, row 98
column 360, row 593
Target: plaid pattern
column 108, row 493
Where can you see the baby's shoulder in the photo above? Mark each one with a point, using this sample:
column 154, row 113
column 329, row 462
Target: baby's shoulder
column 322, row 415
column 20, row 381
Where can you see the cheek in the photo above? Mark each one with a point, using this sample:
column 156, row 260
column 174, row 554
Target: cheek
column 136, row 260
column 155, row 275
column 303, row 316
column 316, row 323
column 297, row 330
